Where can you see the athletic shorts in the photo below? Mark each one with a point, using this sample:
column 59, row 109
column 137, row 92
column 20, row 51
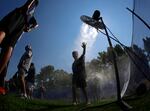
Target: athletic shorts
column 79, row 82
column 21, row 72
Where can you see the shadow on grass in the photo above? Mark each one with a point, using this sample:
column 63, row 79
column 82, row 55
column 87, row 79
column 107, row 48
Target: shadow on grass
column 48, row 107
column 98, row 106
column 53, row 107
column 113, row 104
column 11, row 103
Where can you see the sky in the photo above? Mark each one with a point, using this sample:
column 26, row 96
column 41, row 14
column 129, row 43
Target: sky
column 140, row 31
column 60, row 27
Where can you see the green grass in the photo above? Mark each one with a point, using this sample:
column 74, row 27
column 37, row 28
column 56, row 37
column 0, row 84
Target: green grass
column 13, row 103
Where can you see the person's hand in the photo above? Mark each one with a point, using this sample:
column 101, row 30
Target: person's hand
column 27, row 29
column 84, row 45
column 31, row 27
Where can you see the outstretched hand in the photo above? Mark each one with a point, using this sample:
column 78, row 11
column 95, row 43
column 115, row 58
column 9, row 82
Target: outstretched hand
column 84, row 45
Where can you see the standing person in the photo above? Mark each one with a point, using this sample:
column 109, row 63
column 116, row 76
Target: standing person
column 79, row 75
column 30, row 79
column 23, row 68
column 12, row 27
column 42, row 90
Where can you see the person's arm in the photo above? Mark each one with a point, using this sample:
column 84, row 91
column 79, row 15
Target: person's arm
column 5, row 58
column 5, row 25
column 31, row 3
column 84, row 48
column 2, row 36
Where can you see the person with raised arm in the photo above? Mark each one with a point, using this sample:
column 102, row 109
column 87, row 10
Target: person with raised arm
column 79, row 75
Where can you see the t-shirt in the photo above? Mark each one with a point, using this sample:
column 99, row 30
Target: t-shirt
column 13, row 25
column 31, row 75
column 25, row 61
column 78, row 68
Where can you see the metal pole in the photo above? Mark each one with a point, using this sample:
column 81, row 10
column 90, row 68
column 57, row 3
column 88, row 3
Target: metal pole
column 123, row 105
column 114, row 62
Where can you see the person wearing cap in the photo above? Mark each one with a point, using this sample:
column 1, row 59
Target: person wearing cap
column 12, row 27
column 79, row 75
column 23, row 68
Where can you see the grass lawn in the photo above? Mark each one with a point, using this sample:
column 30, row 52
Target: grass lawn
column 13, row 103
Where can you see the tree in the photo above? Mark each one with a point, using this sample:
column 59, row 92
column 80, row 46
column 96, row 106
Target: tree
column 119, row 51
column 62, row 78
column 93, row 65
column 146, row 42
column 102, row 57
column 46, row 72
column 45, row 75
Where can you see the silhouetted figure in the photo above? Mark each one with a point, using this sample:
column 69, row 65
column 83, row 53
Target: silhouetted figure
column 23, row 68
column 12, row 27
column 79, row 75
column 30, row 79
column 13, row 83
column 42, row 90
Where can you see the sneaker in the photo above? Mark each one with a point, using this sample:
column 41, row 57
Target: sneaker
column 74, row 103
column 25, row 96
column 88, row 103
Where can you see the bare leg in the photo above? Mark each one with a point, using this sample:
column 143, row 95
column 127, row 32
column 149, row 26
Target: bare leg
column 22, row 83
column 4, row 60
column 30, row 93
column 74, row 94
column 27, row 89
column 2, row 35
column 85, row 94
column 4, row 71
column 77, row 95
column 5, row 57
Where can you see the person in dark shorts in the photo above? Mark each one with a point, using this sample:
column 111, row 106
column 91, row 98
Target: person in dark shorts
column 23, row 68
column 30, row 79
column 79, row 75
column 12, row 27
